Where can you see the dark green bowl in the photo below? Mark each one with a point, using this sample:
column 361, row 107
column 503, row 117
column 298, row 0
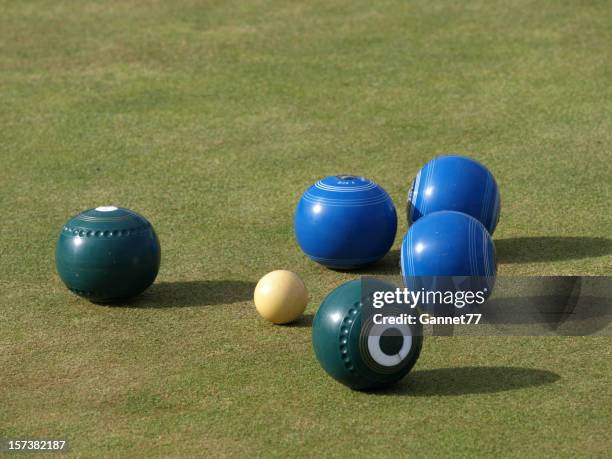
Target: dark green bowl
column 108, row 254
column 349, row 347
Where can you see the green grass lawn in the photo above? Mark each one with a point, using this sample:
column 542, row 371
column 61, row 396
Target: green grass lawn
column 211, row 118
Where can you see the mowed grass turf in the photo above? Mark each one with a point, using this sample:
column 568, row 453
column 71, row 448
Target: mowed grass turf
column 211, row 118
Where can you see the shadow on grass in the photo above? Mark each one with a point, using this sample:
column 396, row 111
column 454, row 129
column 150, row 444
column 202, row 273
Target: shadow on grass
column 570, row 316
column 191, row 293
column 303, row 322
column 389, row 265
column 470, row 380
column 512, row 250
column 550, row 248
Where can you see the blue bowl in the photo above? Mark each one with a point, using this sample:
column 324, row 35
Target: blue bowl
column 455, row 183
column 345, row 222
column 448, row 252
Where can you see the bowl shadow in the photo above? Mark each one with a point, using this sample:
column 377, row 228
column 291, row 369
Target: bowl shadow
column 550, row 248
column 183, row 294
column 389, row 265
column 513, row 250
column 470, row 380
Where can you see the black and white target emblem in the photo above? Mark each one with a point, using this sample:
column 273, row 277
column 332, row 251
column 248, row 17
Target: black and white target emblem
column 386, row 348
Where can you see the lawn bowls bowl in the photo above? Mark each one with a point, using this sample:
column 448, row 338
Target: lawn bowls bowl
column 355, row 351
column 448, row 251
column 345, row 221
column 107, row 254
column 455, row 183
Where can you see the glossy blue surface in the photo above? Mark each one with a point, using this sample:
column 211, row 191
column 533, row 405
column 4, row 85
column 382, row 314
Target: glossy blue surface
column 345, row 222
column 455, row 183
column 448, row 250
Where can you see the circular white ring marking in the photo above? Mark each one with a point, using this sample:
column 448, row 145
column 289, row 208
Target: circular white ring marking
column 376, row 352
column 106, row 208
